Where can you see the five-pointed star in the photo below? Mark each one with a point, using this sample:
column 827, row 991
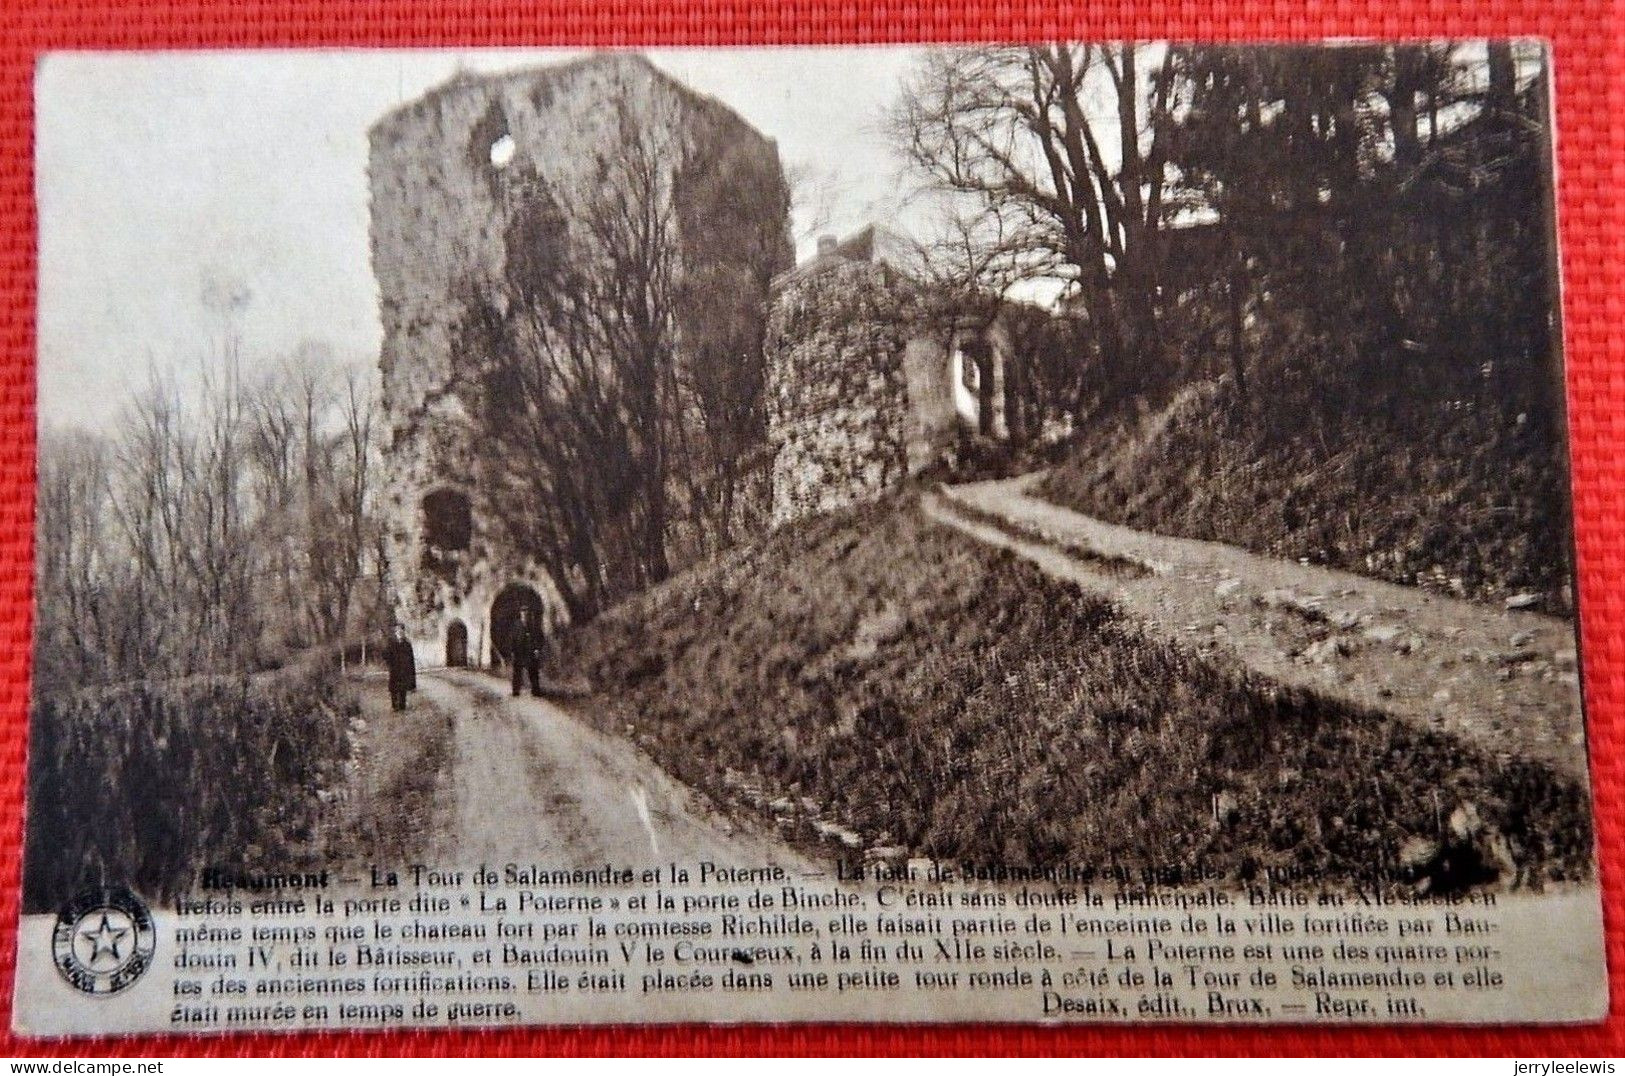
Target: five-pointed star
column 104, row 939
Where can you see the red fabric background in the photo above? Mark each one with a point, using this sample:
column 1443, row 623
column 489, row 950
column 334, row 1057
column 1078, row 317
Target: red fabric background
column 1585, row 35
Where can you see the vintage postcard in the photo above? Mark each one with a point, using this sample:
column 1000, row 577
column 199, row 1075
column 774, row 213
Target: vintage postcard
column 1058, row 532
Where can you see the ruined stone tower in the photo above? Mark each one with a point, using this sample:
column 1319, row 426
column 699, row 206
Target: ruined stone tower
column 449, row 173
column 870, row 378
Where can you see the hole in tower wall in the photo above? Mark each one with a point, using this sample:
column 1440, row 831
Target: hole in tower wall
column 448, row 524
column 491, row 146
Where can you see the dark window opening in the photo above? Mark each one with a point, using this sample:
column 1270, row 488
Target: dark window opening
column 448, row 524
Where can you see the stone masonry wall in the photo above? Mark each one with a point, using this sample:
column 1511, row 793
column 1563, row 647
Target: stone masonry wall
column 837, row 395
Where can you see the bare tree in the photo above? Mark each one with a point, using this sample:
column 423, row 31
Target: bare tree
column 1053, row 160
column 354, row 476
column 732, row 218
column 312, row 443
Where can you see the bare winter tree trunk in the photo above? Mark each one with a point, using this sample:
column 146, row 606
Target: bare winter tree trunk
column 1007, row 134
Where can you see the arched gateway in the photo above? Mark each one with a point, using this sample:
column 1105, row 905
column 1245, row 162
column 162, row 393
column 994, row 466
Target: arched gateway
column 505, row 614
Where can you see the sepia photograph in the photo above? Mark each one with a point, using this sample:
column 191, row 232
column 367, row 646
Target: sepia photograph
column 1032, row 504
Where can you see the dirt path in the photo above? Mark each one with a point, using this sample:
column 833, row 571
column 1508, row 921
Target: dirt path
column 400, row 775
column 1503, row 679
column 527, row 782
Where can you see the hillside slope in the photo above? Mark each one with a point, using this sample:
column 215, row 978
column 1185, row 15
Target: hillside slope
column 1458, row 499
column 870, row 679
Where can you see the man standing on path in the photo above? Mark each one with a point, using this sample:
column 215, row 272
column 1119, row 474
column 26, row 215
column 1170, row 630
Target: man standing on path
column 527, row 656
column 403, row 668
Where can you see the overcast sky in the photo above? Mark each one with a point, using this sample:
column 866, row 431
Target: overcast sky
column 183, row 196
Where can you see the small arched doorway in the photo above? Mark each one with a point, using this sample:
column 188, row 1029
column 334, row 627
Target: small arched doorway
column 505, row 614
column 457, row 644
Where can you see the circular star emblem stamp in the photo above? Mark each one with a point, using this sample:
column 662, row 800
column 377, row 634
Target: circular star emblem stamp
column 103, row 940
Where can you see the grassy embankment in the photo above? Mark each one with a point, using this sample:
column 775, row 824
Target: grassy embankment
column 145, row 784
column 868, row 679
column 1460, row 500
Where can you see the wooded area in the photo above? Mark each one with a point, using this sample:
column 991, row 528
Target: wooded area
column 220, row 534
column 1326, row 226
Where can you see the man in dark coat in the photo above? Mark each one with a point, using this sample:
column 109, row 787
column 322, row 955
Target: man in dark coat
column 403, row 668
column 527, row 654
